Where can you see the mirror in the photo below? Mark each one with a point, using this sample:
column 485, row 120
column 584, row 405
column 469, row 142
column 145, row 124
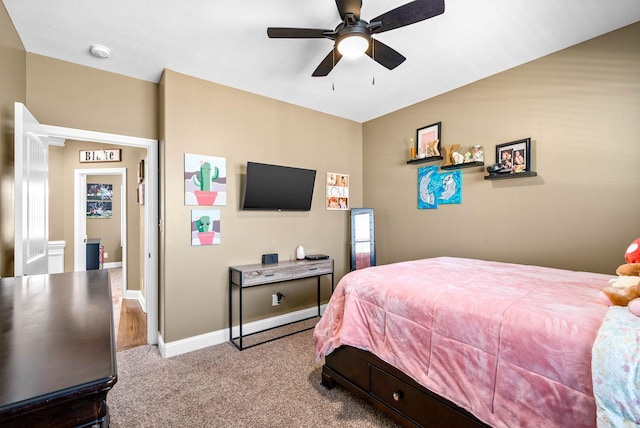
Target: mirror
column 363, row 252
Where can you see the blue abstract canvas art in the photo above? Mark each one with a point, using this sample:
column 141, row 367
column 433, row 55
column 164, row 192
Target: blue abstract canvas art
column 428, row 187
column 449, row 188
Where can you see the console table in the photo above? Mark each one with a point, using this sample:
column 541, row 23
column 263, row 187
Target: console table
column 57, row 350
column 258, row 274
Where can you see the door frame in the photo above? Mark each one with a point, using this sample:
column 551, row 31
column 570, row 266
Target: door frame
column 80, row 218
column 151, row 209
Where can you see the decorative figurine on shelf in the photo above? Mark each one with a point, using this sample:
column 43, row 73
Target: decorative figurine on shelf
column 432, row 148
column 476, row 154
column 457, row 158
column 447, row 152
column 467, row 157
column 421, row 151
column 412, row 149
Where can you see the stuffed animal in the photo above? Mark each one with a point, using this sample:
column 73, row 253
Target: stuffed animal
column 625, row 289
column 632, row 255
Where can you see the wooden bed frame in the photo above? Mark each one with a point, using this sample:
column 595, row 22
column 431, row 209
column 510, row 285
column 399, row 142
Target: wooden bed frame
column 391, row 391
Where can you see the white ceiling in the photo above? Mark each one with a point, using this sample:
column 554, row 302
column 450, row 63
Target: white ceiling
column 226, row 42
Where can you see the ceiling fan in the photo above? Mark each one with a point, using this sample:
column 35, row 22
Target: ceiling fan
column 352, row 36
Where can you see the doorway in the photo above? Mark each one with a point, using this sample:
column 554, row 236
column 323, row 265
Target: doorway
column 150, row 264
column 80, row 220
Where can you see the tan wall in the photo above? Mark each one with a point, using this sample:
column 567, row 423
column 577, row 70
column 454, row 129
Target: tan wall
column 581, row 108
column 62, row 164
column 205, row 118
column 70, row 95
column 12, row 89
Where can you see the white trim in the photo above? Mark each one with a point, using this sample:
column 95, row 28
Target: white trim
column 136, row 295
column 55, row 141
column 97, row 137
column 151, row 220
column 112, row 265
column 79, row 222
column 57, row 247
column 190, row 344
column 56, row 256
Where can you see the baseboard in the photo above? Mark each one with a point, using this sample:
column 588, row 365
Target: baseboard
column 111, row 265
column 137, row 295
column 190, row 344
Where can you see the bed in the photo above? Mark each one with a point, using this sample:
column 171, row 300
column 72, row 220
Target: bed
column 615, row 368
column 453, row 342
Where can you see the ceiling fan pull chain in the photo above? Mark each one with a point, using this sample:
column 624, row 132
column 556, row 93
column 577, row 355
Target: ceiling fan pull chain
column 373, row 70
column 333, row 55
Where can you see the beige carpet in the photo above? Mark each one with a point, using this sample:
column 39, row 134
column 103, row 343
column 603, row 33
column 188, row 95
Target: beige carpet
column 276, row 384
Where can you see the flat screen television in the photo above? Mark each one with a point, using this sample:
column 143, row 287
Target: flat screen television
column 277, row 188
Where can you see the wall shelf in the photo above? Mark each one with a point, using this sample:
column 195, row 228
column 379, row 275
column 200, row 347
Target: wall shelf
column 424, row 160
column 511, row 175
column 462, row 165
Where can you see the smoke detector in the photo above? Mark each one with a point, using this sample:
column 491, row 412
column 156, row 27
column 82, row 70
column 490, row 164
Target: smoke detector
column 100, row 51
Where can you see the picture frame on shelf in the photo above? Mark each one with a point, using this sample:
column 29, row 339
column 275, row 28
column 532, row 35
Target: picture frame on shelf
column 514, row 156
column 428, row 140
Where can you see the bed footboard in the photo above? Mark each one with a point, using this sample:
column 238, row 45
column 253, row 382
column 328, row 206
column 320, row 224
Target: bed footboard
column 391, row 391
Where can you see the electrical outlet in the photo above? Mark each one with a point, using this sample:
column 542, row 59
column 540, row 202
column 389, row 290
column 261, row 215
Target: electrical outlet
column 274, row 300
column 106, row 255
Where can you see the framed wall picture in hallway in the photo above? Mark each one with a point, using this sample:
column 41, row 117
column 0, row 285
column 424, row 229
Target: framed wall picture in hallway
column 99, row 198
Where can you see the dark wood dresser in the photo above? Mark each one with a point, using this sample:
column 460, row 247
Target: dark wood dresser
column 57, row 350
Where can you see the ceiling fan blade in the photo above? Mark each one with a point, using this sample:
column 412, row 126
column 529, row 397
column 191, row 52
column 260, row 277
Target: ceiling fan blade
column 297, row 33
column 384, row 55
column 349, row 6
column 408, row 14
column 327, row 63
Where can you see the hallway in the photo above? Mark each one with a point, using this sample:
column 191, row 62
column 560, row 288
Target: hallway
column 130, row 321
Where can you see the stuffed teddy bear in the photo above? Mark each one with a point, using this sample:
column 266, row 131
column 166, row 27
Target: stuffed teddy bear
column 625, row 289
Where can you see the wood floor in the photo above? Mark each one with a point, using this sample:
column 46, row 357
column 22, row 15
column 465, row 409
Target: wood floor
column 130, row 321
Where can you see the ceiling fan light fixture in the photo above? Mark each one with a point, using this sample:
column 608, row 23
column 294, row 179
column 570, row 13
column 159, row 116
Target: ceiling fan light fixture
column 354, row 36
column 353, row 45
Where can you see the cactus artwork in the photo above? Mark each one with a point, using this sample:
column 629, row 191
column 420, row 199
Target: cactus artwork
column 203, row 223
column 205, row 227
column 205, row 180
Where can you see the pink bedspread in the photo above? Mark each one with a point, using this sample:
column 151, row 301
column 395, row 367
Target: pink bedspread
column 510, row 343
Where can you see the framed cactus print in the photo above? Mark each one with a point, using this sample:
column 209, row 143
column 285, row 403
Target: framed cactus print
column 205, row 180
column 205, row 227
